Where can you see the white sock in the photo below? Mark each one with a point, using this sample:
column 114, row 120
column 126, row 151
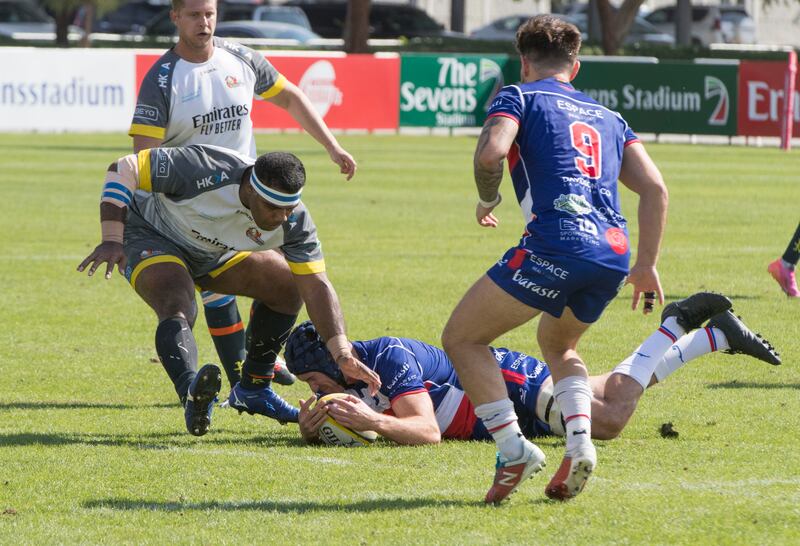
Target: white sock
column 644, row 360
column 574, row 397
column 788, row 265
column 694, row 344
column 500, row 420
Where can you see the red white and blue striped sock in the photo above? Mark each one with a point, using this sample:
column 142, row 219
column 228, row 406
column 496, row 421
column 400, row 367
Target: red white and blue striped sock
column 644, row 360
column 694, row 344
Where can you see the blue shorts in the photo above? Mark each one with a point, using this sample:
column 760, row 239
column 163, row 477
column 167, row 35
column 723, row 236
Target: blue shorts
column 551, row 283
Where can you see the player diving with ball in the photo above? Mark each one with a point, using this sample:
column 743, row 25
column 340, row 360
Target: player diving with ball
column 421, row 400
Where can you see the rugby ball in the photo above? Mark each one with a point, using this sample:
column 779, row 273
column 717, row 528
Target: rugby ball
column 334, row 433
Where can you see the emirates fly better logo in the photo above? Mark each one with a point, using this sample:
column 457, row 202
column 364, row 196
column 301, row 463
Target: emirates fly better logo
column 715, row 88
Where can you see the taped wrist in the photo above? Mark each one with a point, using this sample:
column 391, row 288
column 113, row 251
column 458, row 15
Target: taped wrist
column 493, row 203
column 112, row 231
column 338, row 346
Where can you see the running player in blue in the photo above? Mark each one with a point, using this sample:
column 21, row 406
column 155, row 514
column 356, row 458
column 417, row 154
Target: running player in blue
column 421, row 400
column 565, row 153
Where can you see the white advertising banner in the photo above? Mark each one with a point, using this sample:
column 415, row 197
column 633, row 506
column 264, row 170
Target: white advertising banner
column 66, row 89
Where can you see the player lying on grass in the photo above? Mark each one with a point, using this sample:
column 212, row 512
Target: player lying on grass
column 421, row 400
column 176, row 218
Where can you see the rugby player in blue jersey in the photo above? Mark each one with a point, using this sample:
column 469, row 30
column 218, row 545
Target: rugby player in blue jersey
column 421, row 400
column 565, row 153
column 201, row 215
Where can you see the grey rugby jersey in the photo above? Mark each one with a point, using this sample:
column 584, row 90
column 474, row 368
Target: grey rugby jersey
column 184, row 103
column 191, row 196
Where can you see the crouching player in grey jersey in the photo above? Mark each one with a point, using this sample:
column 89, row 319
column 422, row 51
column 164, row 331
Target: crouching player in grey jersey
column 206, row 216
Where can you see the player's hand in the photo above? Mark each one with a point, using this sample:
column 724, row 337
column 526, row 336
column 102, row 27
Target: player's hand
column 109, row 253
column 352, row 412
column 485, row 216
column 347, row 165
column 355, row 370
column 645, row 283
column 310, row 419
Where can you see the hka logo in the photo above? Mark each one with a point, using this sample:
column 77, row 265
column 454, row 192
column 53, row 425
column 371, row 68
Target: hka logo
column 714, row 87
column 319, row 84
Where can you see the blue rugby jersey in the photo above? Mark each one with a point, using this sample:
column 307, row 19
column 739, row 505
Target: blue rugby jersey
column 407, row 366
column 564, row 165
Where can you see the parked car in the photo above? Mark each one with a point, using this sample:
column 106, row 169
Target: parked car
column 130, row 17
column 710, row 24
column 505, row 29
column 228, row 10
column 24, row 20
column 385, row 20
column 268, row 30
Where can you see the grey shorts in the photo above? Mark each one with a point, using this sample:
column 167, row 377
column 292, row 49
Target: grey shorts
column 143, row 247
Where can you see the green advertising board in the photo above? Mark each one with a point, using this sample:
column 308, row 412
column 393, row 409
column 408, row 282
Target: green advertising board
column 666, row 97
column 450, row 90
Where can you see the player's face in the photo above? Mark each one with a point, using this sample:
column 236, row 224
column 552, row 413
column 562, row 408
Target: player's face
column 266, row 215
column 320, row 383
column 196, row 22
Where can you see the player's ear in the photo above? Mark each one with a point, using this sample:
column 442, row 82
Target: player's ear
column 575, row 68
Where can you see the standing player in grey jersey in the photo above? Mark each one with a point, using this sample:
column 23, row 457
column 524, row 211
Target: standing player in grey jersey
column 201, row 92
column 169, row 230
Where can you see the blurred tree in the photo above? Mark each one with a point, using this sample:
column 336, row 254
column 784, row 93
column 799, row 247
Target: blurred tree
column 616, row 22
column 356, row 27
column 66, row 10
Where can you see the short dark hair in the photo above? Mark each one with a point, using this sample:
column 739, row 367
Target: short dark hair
column 282, row 171
column 178, row 4
column 548, row 41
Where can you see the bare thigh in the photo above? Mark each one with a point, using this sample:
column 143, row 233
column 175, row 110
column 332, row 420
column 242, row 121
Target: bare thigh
column 169, row 290
column 263, row 276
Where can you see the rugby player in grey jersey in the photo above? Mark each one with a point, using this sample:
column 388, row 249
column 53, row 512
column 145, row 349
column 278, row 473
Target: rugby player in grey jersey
column 176, row 218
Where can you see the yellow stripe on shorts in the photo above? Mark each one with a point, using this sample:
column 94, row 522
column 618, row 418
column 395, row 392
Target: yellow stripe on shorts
column 237, row 258
column 307, row 268
column 147, row 262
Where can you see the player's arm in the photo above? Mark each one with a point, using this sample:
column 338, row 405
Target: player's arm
column 640, row 174
column 325, row 312
column 121, row 182
column 413, row 422
column 141, row 142
column 294, row 101
column 495, row 141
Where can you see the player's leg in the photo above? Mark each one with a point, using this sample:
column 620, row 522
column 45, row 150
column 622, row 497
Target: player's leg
column 558, row 339
column 485, row 312
column 265, row 277
column 783, row 269
column 167, row 287
column 227, row 331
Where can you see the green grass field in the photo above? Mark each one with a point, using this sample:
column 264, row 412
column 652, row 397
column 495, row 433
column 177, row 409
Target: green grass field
column 92, row 443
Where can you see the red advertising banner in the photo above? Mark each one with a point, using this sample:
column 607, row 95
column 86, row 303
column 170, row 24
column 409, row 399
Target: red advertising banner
column 349, row 91
column 761, row 98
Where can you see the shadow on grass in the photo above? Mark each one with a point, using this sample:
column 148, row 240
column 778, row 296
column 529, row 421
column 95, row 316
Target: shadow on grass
column 156, row 440
column 80, row 405
column 750, row 385
column 300, row 507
